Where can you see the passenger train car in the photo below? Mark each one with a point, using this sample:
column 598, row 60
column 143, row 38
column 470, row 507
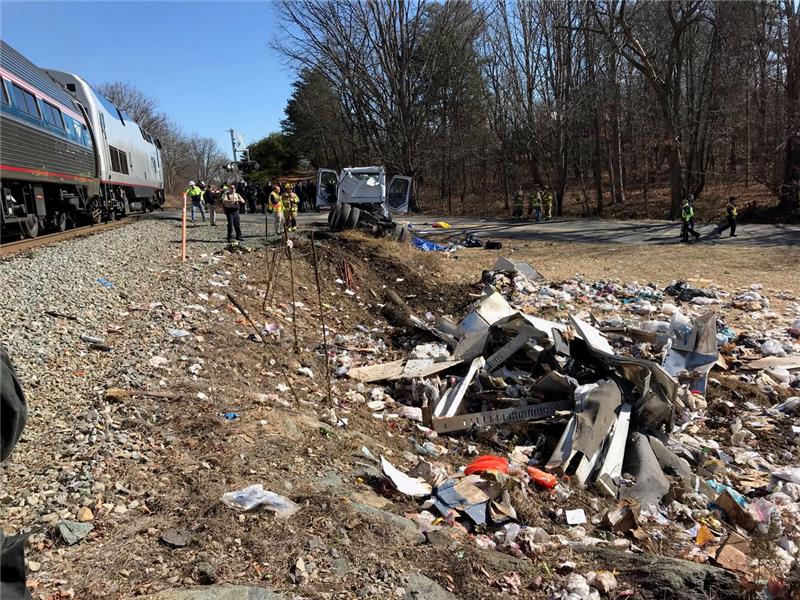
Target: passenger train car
column 66, row 153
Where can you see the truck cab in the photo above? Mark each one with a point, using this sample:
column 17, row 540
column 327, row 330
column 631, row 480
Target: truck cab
column 360, row 195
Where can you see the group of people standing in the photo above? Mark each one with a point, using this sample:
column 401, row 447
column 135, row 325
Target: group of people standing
column 540, row 204
column 281, row 204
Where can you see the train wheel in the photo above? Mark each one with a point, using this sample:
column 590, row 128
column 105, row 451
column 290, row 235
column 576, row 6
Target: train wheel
column 94, row 210
column 29, row 228
column 60, row 221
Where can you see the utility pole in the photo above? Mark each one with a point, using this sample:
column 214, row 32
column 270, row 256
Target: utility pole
column 233, row 143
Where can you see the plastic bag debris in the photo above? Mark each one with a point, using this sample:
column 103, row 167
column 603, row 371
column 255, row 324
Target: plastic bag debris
column 487, row 463
column 254, row 496
column 429, row 246
column 540, row 478
column 772, row 348
column 410, row 486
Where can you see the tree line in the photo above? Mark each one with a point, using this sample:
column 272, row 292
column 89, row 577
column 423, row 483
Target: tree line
column 184, row 156
column 596, row 99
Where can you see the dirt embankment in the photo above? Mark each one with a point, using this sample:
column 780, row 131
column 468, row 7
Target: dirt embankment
column 252, row 413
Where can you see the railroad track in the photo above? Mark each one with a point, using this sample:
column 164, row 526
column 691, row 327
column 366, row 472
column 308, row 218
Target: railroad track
column 9, row 248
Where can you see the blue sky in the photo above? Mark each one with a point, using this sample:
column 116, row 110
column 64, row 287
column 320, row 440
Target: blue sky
column 208, row 64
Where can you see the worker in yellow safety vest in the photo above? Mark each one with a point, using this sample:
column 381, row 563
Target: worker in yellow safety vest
column 536, row 205
column 687, row 219
column 195, row 194
column 548, row 205
column 275, row 207
column 291, row 203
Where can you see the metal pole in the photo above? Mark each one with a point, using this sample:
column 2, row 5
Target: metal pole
column 233, row 144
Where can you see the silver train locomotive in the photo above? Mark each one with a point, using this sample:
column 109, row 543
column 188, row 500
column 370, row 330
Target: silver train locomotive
column 67, row 154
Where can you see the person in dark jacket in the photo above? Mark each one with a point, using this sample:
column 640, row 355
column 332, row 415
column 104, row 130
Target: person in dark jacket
column 13, row 415
column 210, row 197
column 231, row 201
column 730, row 217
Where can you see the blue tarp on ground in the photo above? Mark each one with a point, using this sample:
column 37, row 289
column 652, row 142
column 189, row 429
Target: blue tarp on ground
column 428, row 246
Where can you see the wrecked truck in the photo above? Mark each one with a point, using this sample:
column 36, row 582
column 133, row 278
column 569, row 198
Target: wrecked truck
column 360, row 197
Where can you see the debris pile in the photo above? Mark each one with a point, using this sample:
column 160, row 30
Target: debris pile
column 608, row 416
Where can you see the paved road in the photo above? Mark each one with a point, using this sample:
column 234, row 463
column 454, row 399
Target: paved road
column 582, row 230
column 600, row 231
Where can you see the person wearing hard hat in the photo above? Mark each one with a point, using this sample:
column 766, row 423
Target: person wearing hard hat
column 730, row 216
column 291, row 204
column 231, row 203
column 687, row 220
column 195, row 194
column 276, row 208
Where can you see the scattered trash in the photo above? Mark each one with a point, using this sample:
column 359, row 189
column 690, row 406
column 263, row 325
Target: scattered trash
column 619, row 401
column 306, row 371
column 254, row 496
column 542, row 479
column 410, row 486
column 105, row 283
column 230, row 416
column 429, row 246
column 487, row 463
column 575, row 517
column 96, row 343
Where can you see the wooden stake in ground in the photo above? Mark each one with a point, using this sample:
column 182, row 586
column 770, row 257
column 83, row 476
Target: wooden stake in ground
column 183, row 231
column 291, row 283
column 321, row 317
column 260, row 336
column 271, row 273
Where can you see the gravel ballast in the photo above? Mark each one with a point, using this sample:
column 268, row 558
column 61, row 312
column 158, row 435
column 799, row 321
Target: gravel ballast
column 61, row 305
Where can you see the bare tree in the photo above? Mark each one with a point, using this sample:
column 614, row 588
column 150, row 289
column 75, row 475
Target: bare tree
column 790, row 192
column 476, row 97
column 142, row 108
column 205, row 157
column 382, row 57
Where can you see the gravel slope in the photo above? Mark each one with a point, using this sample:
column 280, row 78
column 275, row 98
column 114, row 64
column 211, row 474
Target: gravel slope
column 50, row 298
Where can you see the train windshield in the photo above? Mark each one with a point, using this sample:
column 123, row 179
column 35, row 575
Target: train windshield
column 110, row 106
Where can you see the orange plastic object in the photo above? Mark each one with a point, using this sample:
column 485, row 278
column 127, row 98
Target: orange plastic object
column 703, row 535
column 487, row 463
column 546, row 480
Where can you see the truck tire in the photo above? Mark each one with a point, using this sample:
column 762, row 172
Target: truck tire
column 352, row 219
column 340, row 217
